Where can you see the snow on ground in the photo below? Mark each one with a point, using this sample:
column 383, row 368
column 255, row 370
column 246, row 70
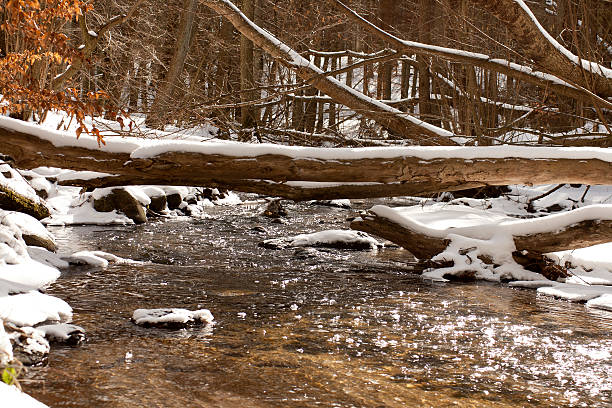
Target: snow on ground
column 329, row 238
column 71, row 207
column 155, row 317
column 12, row 397
column 31, row 308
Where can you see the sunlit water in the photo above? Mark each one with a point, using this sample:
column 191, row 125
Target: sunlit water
column 330, row 328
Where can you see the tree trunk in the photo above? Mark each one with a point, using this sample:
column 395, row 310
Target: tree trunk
column 170, row 87
column 579, row 235
column 246, row 70
column 353, row 173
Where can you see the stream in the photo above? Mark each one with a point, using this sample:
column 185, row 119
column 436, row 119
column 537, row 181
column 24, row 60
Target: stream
column 308, row 328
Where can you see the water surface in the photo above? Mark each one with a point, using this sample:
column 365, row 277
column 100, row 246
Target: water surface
column 293, row 328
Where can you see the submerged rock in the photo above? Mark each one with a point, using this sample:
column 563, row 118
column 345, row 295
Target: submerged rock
column 171, row 318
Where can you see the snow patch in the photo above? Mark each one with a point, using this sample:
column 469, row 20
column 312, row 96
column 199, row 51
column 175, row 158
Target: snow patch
column 152, row 317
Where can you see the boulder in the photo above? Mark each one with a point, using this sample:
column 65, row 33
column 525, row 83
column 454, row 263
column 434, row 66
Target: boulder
column 123, row 201
column 174, row 201
column 33, row 232
column 158, row 204
column 17, row 195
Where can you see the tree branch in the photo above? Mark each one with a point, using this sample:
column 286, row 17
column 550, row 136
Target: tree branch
column 546, row 81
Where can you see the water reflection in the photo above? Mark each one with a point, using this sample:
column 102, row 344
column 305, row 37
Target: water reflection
column 325, row 328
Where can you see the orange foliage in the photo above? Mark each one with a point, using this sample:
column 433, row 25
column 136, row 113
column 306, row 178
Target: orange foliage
column 36, row 48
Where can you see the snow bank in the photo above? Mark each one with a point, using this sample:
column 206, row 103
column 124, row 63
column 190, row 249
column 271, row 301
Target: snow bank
column 31, row 308
column 18, row 271
column 574, row 292
column 12, row 397
column 602, row 302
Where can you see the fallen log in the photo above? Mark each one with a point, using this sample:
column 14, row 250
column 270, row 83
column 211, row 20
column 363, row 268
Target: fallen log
column 425, row 243
column 301, row 173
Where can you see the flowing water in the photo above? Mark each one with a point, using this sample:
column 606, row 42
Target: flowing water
column 326, row 328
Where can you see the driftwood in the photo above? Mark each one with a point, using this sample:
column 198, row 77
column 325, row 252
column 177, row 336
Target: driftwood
column 276, row 174
column 579, row 235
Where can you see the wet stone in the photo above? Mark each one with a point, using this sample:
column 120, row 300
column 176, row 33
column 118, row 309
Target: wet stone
column 275, row 209
column 158, row 204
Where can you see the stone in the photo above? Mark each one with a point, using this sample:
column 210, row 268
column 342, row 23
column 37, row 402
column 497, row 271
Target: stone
column 121, row 200
column 158, row 204
column 39, row 241
column 174, row 201
column 275, row 209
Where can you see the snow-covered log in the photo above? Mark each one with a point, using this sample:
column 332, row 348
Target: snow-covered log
column 580, row 228
column 300, row 173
